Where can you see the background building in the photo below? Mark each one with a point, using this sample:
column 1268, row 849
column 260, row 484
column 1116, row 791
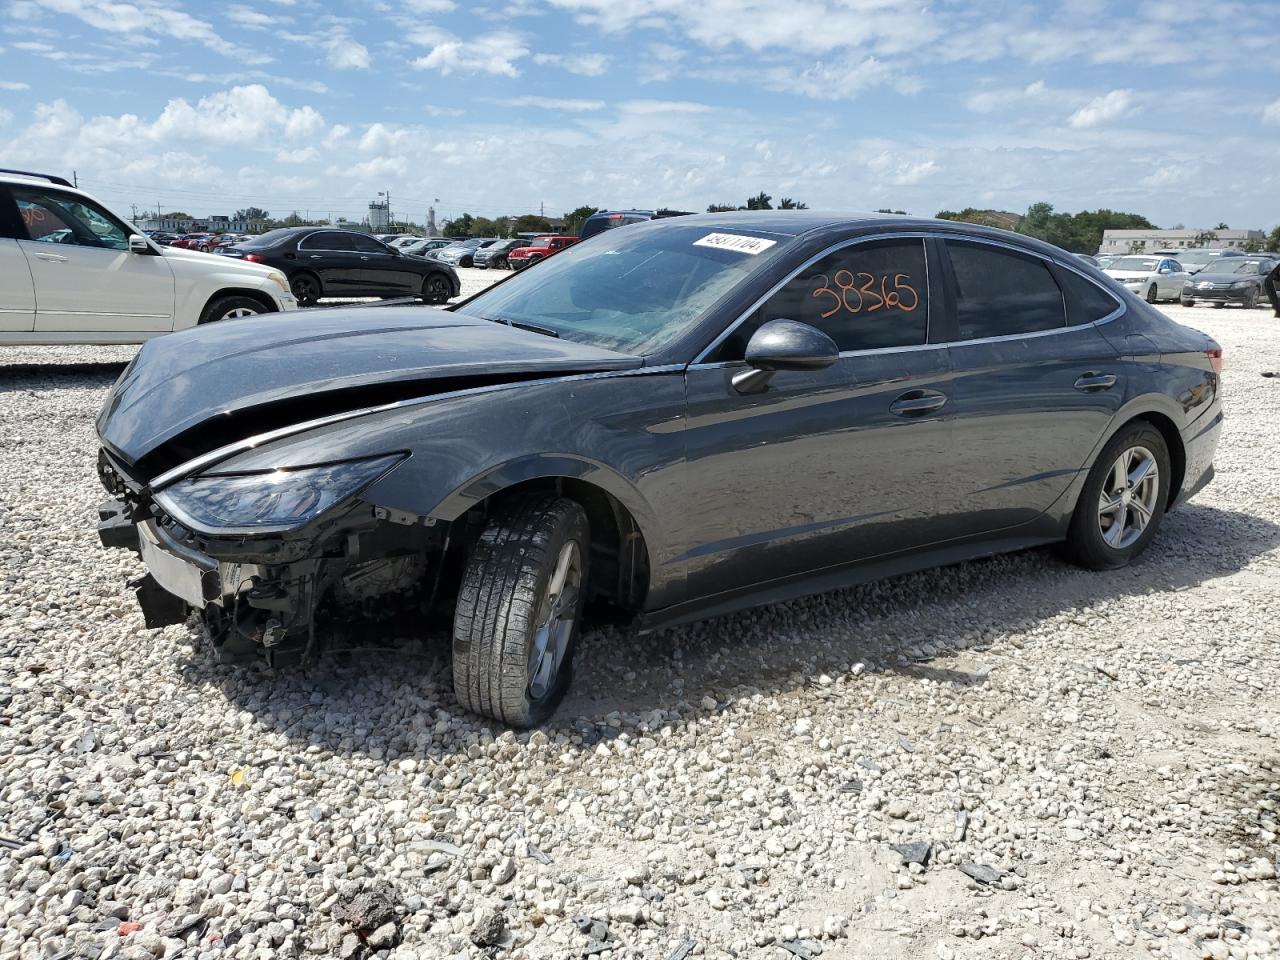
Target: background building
column 1146, row 241
column 379, row 218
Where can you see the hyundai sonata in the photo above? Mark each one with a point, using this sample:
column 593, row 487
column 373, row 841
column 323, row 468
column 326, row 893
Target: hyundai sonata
column 683, row 418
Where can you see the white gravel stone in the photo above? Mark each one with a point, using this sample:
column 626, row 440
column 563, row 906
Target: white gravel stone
column 1106, row 741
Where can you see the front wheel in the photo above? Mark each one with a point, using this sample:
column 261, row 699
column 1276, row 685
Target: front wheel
column 230, row 308
column 1188, row 303
column 436, row 289
column 1152, row 294
column 306, row 288
column 1251, row 299
column 1123, row 499
column 518, row 610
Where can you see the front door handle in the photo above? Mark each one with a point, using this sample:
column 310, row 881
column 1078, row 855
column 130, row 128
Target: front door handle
column 51, row 257
column 316, row 256
column 916, row 403
column 1093, row 382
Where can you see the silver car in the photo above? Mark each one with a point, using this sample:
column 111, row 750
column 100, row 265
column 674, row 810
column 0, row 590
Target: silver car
column 1153, row 278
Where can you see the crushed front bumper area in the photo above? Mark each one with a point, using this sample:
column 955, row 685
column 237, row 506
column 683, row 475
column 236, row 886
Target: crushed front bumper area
column 265, row 596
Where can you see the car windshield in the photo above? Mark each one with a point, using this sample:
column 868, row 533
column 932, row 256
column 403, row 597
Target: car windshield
column 632, row 292
column 1234, row 265
column 1199, row 256
column 1134, row 263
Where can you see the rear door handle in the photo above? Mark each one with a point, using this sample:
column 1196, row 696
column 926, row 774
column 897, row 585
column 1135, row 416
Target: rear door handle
column 916, row 403
column 1092, row 382
column 316, row 256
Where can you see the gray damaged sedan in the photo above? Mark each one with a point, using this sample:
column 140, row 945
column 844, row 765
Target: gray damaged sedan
column 666, row 422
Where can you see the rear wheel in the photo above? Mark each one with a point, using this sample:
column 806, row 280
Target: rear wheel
column 1152, row 294
column 518, row 610
column 231, row 308
column 1188, row 303
column 436, row 289
column 306, row 287
column 1123, row 499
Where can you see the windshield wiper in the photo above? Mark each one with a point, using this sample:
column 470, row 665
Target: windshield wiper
column 531, row 327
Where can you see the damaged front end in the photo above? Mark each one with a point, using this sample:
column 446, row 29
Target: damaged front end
column 265, row 557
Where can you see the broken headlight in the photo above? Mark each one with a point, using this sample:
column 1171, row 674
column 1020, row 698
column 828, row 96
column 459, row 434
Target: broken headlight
column 269, row 500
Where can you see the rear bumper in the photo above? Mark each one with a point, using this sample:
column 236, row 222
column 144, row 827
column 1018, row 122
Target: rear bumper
column 1200, row 441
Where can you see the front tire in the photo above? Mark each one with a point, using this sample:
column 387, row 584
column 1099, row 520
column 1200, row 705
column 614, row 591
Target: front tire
column 230, row 308
column 1123, row 500
column 1152, row 294
column 1188, row 303
column 518, row 610
column 1250, row 299
column 306, row 288
column 436, row 289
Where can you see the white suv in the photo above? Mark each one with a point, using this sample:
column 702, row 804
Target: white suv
column 72, row 271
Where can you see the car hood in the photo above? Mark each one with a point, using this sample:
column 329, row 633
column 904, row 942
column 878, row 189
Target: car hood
column 1213, row 277
column 191, row 392
column 1123, row 275
column 216, row 261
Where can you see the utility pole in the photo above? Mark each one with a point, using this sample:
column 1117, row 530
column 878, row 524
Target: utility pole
column 75, row 181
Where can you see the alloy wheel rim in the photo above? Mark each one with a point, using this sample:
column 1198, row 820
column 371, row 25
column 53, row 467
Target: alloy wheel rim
column 304, row 289
column 557, row 613
column 1128, row 499
column 239, row 312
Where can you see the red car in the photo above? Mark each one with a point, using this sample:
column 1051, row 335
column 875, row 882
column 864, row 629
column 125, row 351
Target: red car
column 192, row 241
column 540, row 249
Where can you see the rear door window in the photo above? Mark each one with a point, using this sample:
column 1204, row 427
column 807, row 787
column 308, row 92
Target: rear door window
column 365, row 244
column 331, row 240
column 1000, row 292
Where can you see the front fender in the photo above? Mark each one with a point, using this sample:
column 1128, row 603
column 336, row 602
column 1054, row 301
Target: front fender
column 550, row 466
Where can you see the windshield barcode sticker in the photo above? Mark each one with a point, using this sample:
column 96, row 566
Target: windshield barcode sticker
column 731, row 241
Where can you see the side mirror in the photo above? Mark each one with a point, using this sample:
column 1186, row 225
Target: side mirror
column 138, row 244
column 784, row 345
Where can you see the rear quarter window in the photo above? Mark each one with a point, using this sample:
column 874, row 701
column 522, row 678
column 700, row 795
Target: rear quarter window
column 1086, row 301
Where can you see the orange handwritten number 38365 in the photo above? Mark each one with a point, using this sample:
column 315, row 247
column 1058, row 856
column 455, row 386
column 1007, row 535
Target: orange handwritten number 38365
column 863, row 286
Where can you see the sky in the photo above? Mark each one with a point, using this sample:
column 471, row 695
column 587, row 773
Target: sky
column 1170, row 110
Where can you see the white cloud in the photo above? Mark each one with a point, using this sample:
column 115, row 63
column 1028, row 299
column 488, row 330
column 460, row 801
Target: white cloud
column 14, row 85
column 583, row 64
column 989, row 100
column 435, row 111
column 496, row 53
column 146, row 19
column 1271, row 113
column 567, row 104
column 841, row 79
column 251, row 17
column 651, row 107
column 346, row 53
column 428, row 6
column 302, row 155
column 1103, row 109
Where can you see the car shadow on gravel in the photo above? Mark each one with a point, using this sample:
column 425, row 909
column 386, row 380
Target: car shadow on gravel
column 385, row 702
column 57, row 376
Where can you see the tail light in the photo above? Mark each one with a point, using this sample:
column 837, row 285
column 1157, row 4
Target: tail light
column 254, row 258
column 1215, row 359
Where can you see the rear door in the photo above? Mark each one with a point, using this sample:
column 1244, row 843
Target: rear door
column 17, row 290
column 85, row 277
column 331, row 255
column 826, row 467
column 1035, row 384
column 382, row 272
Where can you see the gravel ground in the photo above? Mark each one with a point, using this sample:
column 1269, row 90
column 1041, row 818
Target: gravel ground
column 1007, row 758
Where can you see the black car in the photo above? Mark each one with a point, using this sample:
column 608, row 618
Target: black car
column 701, row 415
column 612, row 219
column 495, row 255
column 1229, row 280
column 321, row 262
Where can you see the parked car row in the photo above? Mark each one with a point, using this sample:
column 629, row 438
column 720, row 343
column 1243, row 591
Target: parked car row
column 1219, row 277
column 74, row 271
